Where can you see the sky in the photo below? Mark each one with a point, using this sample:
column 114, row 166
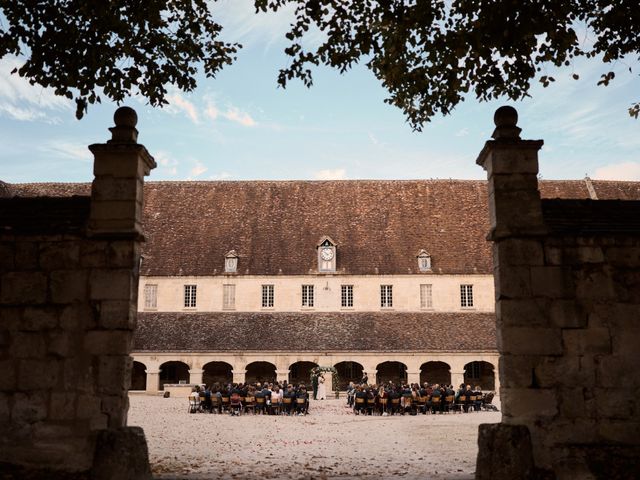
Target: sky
column 242, row 126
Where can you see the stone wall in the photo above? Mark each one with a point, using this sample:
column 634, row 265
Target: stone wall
column 567, row 277
column 68, row 293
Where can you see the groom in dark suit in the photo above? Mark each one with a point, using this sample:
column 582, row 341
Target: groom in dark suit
column 314, row 383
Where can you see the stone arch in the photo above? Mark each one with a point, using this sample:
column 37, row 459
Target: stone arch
column 435, row 372
column 138, row 376
column 393, row 371
column 480, row 373
column 217, row 372
column 348, row 372
column 260, row 372
column 173, row 372
column 299, row 372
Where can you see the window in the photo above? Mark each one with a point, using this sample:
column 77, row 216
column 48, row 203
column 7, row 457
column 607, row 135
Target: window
column 466, row 296
column 228, row 297
column 231, row 262
column 346, row 295
column 386, row 296
column 190, row 296
column 424, row 261
column 267, row 296
column 151, row 296
column 426, row 300
column 307, row 295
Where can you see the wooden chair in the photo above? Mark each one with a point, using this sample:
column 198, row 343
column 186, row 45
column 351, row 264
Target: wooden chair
column 395, row 405
column 360, row 405
column 235, row 404
column 301, row 405
column 449, row 403
column 215, row 403
column 287, row 403
column 436, row 403
column 259, row 405
column 225, row 401
column 250, row 404
column 275, row 407
column 408, row 405
column 421, row 404
column 382, row 403
column 472, row 403
column 371, row 405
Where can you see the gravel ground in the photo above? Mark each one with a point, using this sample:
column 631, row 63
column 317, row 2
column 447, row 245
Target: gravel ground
column 330, row 442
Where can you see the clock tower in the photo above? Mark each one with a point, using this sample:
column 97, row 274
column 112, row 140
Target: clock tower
column 326, row 255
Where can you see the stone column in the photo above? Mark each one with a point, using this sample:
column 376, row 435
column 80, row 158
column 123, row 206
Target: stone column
column 239, row 376
column 523, row 330
column 282, row 375
column 457, row 378
column 153, row 380
column 413, row 376
column 195, row 376
column 115, row 218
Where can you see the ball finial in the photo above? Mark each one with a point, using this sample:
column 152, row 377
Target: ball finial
column 506, row 119
column 505, row 116
column 125, row 117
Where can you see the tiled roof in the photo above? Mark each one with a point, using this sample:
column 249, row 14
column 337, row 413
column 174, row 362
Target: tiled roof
column 592, row 217
column 274, row 226
column 357, row 331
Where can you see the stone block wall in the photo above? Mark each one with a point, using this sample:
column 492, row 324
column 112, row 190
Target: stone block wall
column 567, row 276
column 68, row 293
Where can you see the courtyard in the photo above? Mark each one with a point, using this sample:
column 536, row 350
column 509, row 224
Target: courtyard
column 330, row 442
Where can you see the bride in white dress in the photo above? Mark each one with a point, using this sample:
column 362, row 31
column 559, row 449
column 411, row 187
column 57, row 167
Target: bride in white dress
column 322, row 390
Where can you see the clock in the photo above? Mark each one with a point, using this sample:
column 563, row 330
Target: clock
column 326, row 254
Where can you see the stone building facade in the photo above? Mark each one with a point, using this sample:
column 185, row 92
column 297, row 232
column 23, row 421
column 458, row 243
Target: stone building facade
column 234, row 287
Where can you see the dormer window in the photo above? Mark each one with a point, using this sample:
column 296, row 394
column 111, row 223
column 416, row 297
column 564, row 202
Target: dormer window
column 424, row 261
column 231, row 262
column 326, row 255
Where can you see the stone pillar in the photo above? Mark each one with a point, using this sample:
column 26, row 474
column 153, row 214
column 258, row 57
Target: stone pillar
column 523, row 333
column 239, row 376
column 195, row 376
column 153, row 380
column 413, row 377
column 115, row 218
column 282, row 375
column 457, row 378
column 119, row 168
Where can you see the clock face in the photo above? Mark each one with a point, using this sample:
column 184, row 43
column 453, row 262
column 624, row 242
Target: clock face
column 326, row 254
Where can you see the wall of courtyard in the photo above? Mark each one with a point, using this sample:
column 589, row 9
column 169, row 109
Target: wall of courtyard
column 327, row 292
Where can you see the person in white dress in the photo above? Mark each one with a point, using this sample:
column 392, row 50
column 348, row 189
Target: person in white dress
column 322, row 389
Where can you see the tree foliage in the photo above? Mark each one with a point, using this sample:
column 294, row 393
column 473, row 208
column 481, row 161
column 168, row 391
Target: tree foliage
column 83, row 49
column 429, row 53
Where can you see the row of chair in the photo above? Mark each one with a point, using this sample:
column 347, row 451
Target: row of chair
column 237, row 404
column 433, row 404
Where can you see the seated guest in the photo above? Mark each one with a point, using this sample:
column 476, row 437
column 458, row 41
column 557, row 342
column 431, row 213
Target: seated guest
column 360, row 404
column 302, row 407
column 477, row 392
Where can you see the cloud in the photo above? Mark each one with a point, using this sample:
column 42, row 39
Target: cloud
column 330, row 174
column 74, row 151
column 243, row 118
column 197, row 170
column 463, row 132
column 233, row 114
column 168, row 164
column 619, row 171
column 177, row 103
column 25, row 102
